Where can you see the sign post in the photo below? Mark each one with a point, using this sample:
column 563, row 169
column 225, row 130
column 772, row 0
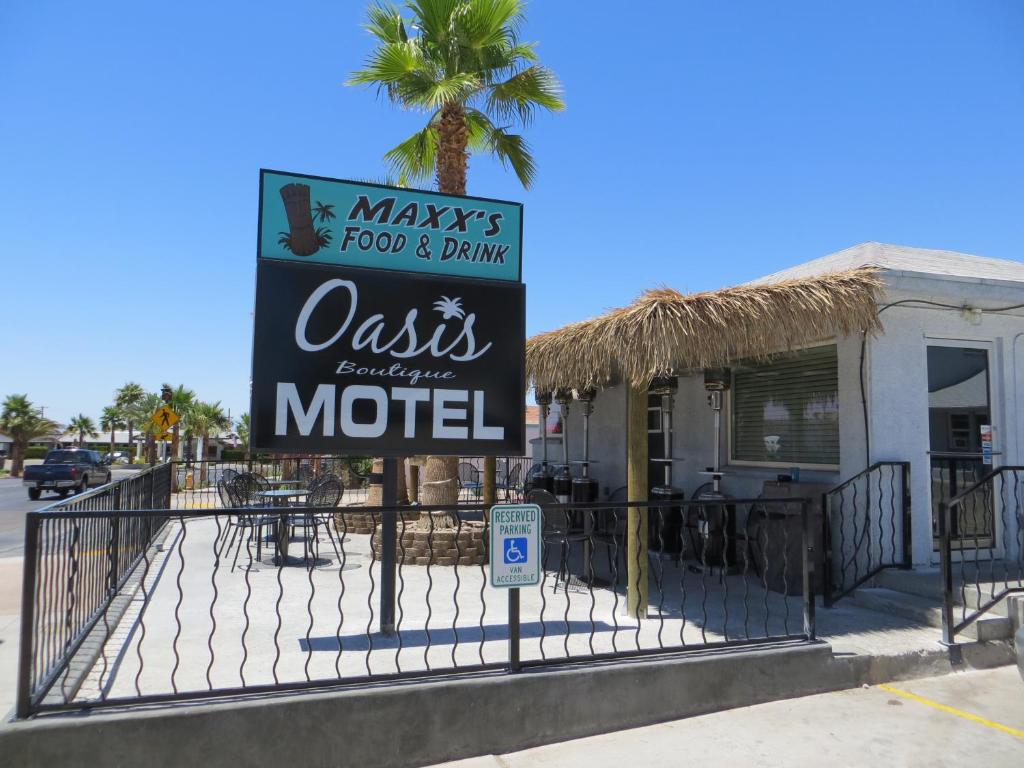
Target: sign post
column 389, row 322
column 515, row 554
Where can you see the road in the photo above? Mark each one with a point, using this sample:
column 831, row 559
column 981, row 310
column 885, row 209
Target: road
column 969, row 718
column 14, row 503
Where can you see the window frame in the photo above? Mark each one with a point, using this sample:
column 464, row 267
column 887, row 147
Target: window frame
column 730, row 436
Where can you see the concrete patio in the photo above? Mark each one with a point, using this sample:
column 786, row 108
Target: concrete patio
column 197, row 623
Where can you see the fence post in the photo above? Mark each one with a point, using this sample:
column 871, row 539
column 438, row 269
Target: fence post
column 115, row 539
column 388, row 543
column 28, row 617
column 908, row 539
column 810, row 630
column 945, row 561
column 513, row 630
column 826, row 547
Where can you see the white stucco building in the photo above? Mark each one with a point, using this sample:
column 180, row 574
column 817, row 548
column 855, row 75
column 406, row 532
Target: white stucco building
column 947, row 364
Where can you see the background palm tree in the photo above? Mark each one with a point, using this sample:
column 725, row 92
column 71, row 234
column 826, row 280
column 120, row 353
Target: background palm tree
column 461, row 62
column 22, row 422
column 127, row 398
column 141, row 414
column 111, row 420
column 182, row 400
column 83, row 425
column 204, row 419
column 244, row 430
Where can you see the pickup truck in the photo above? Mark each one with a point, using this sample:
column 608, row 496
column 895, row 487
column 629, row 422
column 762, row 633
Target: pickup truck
column 65, row 470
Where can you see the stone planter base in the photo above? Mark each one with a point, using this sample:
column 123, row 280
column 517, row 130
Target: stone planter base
column 357, row 521
column 442, row 547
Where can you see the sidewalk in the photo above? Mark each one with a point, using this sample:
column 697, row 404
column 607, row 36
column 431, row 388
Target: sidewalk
column 862, row 727
column 10, row 609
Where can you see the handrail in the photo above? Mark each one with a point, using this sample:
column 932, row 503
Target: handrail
column 874, row 520
column 956, row 500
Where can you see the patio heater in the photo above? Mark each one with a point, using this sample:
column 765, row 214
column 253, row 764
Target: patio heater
column 584, row 487
column 671, row 517
column 541, row 477
column 563, row 476
column 718, row 526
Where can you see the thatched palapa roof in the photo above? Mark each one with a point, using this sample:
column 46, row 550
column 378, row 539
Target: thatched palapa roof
column 665, row 331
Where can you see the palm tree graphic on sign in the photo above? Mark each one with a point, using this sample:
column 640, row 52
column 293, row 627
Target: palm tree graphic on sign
column 450, row 308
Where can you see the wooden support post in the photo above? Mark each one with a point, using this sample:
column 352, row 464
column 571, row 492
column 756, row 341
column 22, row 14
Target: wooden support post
column 490, row 481
column 636, row 520
column 414, row 482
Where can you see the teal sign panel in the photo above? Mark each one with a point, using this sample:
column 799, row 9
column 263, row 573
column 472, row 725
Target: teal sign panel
column 332, row 221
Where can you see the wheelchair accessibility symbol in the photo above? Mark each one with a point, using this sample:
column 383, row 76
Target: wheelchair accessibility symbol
column 515, row 550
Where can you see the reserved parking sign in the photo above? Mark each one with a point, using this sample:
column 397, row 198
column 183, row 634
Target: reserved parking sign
column 515, row 545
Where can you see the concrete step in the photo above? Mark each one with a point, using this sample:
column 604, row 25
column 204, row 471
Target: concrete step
column 928, row 611
column 927, row 583
column 923, row 610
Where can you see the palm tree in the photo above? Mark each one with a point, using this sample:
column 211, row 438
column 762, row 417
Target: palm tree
column 83, row 425
column 22, row 422
column 142, row 414
column 204, row 419
column 461, row 62
column 111, row 420
column 244, row 429
column 127, row 398
column 182, row 400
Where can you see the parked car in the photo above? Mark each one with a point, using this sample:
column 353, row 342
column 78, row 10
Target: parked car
column 117, row 457
column 66, row 470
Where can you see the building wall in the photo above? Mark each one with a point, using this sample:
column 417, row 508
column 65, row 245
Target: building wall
column 898, row 383
column 895, row 387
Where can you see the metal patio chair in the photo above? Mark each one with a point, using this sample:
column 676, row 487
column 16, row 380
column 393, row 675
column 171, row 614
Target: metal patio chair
column 245, row 526
column 513, row 482
column 326, row 493
column 469, row 478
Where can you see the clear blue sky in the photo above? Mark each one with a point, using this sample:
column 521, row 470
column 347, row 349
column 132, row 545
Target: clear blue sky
column 704, row 144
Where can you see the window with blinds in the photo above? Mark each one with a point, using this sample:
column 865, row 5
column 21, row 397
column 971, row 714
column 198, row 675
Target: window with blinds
column 787, row 411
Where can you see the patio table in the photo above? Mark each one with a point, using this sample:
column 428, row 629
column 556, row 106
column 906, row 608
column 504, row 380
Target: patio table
column 280, row 498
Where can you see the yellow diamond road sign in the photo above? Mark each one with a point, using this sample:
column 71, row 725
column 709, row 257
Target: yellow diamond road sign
column 165, row 418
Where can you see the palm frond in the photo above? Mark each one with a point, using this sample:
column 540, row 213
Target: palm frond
column 385, row 22
column 389, row 64
column 415, row 158
column 520, row 95
column 512, row 150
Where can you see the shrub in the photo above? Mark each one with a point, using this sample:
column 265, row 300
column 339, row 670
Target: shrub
column 36, row 452
column 232, row 454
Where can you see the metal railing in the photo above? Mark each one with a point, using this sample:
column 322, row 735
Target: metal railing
column 866, row 527
column 987, row 519
column 250, row 600
column 79, row 553
column 195, row 481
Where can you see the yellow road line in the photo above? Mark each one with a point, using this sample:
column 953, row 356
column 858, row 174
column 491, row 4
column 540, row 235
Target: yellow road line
column 953, row 711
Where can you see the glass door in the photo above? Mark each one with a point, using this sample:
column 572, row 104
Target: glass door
column 958, row 412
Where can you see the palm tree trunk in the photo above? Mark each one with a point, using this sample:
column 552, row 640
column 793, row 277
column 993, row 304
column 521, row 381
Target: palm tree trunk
column 440, row 473
column 131, row 443
column 112, row 441
column 452, row 157
column 17, row 458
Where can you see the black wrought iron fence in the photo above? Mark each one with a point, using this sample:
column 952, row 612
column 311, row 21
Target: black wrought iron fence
column 866, row 527
column 981, row 548
column 79, row 554
column 195, row 482
column 253, row 599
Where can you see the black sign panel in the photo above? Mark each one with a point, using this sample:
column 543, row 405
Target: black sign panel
column 382, row 363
